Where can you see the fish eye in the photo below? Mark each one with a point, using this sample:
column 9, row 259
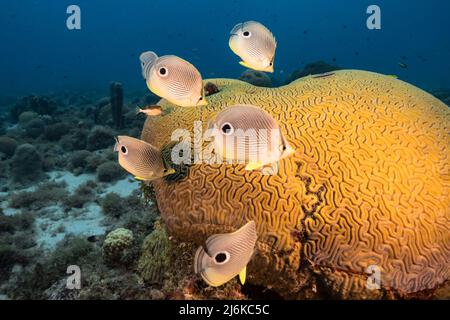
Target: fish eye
column 124, row 150
column 221, row 257
column 162, row 72
column 247, row 34
column 283, row 147
column 227, row 129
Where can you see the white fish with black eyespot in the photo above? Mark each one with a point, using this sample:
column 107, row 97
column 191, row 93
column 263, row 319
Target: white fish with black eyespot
column 174, row 79
column 226, row 255
column 248, row 134
column 141, row 159
column 254, row 44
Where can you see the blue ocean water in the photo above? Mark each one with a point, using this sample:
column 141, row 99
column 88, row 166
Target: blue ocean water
column 39, row 54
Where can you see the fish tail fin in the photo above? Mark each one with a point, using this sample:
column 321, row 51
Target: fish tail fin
column 243, row 275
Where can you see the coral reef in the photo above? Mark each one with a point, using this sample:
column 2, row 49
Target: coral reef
column 55, row 131
column 26, row 117
column 26, row 165
column 312, row 68
column 256, row 78
column 39, row 104
column 345, row 195
column 8, row 145
column 112, row 205
column 34, row 128
column 82, row 195
column 45, row 194
column 116, row 245
column 99, row 138
column 109, row 171
column 75, row 141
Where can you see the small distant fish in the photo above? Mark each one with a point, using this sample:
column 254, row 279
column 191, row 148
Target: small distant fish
column 141, row 159
column 173, row 79
column 153, row 110
column 402, row 65
column 226, row 255
column 254, row 44
column 249, row 134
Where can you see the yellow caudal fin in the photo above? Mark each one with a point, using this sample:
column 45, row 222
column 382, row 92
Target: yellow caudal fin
column 170, row 171
column 253, row 166
column 243, row 275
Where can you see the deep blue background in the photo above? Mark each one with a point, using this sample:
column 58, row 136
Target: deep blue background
column 39, row 54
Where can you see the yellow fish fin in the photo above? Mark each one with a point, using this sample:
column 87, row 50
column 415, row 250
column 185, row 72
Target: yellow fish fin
column 242, row 275
column 245, row 64
column 140, row 178
column 170, row 171
column 254, row 166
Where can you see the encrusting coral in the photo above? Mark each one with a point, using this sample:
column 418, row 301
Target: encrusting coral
column 367, row 186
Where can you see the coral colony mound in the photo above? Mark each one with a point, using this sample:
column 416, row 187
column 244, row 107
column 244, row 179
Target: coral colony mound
column 367, row 186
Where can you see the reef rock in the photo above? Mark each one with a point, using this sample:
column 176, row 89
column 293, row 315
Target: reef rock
column 367, row 188
column 256, row 78
column 318, row 67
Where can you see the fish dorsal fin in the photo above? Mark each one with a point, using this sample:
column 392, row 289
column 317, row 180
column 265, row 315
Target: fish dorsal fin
column 147, row 59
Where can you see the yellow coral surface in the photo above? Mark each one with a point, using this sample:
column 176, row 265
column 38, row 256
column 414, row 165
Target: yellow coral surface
column 368, row 185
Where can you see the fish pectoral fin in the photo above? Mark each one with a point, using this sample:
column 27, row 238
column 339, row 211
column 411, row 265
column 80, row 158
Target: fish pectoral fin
column 245, row 64
column 243, row 275
column 139, row 178
column 254, row 166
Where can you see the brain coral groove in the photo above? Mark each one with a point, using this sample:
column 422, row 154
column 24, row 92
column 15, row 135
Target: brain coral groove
column 368, row 185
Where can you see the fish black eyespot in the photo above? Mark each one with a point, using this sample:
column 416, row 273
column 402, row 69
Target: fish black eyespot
column 124, row 149
column 221, row 257
column 163, row 71
column 227, row 129
column 247, row 34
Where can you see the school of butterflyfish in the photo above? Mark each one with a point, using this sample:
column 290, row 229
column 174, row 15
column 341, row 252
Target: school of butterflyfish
column 224, row 256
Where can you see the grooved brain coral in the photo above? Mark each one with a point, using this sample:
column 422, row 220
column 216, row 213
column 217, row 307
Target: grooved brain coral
column 368, row 185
